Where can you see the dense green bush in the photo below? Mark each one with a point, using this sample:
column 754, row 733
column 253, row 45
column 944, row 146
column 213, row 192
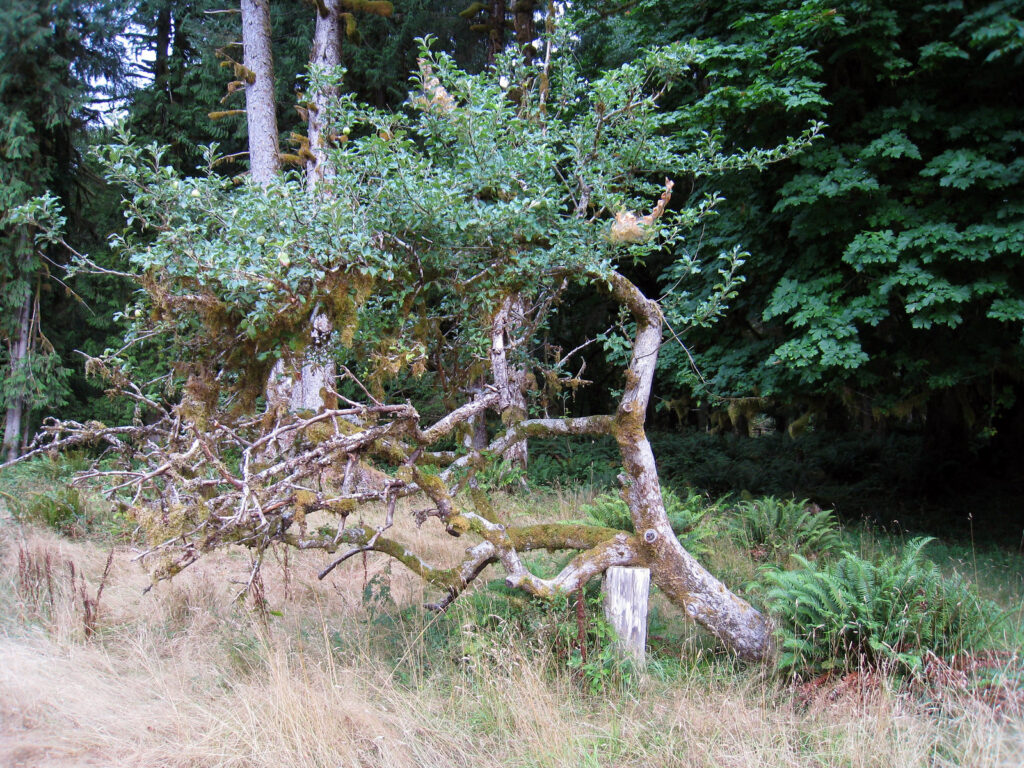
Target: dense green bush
column 887, row 613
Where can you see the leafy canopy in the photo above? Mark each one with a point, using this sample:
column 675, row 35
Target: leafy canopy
column 485, row 185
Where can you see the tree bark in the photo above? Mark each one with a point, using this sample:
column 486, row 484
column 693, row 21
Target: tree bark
column 626, row 595
column 161, row 45
column 19, row 351
column 260, row 111
column 509, row 380
column 496, row 34
column 683, row 580
column 525, row 26
column 474, row 439
column 326, row 55
column 307, row 385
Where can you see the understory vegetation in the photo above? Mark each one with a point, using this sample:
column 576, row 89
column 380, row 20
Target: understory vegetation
column 892, row 651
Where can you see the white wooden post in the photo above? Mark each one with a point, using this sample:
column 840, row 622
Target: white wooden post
column 625, row 607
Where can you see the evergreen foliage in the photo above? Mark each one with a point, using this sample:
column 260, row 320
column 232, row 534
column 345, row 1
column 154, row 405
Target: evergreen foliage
column 379, row 61
column 62, row 65
column 774, row 529
column 192, row 49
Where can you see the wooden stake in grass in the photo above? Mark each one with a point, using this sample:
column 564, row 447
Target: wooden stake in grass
column 625, row 606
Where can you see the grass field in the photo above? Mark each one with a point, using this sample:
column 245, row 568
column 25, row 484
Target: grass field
column 349, row 672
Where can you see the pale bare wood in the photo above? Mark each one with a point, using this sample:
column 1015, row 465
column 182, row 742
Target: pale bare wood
column 626, row 594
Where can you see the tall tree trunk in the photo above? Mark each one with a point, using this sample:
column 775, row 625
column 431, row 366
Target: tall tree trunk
column 304, row 389
column 311, row 386
column 525, row 27
column 496, row 35
column 326, row 55
column 162, row 44
column 260, row 112
column 16, row 410
column 307, row 385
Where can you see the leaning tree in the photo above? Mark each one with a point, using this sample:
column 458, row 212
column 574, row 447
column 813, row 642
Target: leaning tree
column 524, row 181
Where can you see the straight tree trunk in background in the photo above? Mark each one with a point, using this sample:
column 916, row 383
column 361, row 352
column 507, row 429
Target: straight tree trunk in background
column 260, row 113
column 311, row 387
column 496, row 35
column 302, row 389
column 326, row 55
column 306, row 385
column 525, row 26
column 163, row 42
column 19, row 351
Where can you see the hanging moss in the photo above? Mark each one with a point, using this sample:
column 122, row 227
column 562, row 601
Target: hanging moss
column 318, row 432
column 306, row 501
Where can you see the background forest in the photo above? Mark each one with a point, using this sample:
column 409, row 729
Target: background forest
column 274, row 278
column 882, row 302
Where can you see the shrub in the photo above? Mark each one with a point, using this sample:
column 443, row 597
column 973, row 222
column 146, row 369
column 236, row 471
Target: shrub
column 886, row 614
column 576, row 638
column 40, row 492
column 555, row 460
column 773, row 529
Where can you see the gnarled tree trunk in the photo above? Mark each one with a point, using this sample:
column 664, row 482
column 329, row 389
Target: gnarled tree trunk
column 704, row 598
column 508, row 379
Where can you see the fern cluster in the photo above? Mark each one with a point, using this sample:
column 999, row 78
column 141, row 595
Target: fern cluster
column 554, row 461
column 687, row 515
column 856, row 613
column 773, row 529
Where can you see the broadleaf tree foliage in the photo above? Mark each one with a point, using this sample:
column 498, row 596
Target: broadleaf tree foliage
column 517, row 182
column 889, row 289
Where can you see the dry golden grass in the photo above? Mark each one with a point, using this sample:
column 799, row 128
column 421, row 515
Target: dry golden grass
column 184, row 676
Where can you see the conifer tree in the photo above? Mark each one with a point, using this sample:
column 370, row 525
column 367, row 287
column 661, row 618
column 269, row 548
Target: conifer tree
column 61, row 67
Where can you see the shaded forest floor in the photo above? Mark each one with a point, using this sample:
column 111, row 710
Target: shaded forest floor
column 349, row 671
column 888, row 481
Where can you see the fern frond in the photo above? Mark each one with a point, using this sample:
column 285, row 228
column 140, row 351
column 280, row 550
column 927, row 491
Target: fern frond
column 889, row 611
